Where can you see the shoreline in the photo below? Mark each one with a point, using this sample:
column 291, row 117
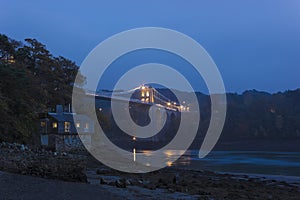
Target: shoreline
column 88, row 176
column 201, row 184
column 279, row 177
column 287, row 179
column 168, row 183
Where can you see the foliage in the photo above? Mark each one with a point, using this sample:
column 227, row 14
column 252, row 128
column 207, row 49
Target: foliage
column 254, row 114
column 31, row 81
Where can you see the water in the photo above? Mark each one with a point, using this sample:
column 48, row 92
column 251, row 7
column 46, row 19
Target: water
column 247, row 162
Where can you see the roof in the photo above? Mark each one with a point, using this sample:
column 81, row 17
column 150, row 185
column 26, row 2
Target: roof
column 69, row 117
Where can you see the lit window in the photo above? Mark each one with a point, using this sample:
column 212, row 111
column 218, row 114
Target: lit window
column 147, row 99
column 43, row 124
column 143, row 93
column 77, row 125
column 54, row 125
column 147, row 94
column 143, row 99
column 67, row 126
column 11, row 59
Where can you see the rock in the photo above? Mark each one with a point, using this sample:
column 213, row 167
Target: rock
column 121, row 183
column 39, row 162
column 175, row 179
column 171, row 190
column 150, row 186
column 128, row 182
column 102, row 181
column 112, row 183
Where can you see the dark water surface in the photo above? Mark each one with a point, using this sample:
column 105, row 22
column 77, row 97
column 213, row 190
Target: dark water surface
column 252, row 162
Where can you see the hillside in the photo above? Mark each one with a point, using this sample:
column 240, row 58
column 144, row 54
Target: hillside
column 254, row 114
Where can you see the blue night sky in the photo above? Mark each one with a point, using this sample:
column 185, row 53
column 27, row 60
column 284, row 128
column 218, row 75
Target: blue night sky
column 255, row 44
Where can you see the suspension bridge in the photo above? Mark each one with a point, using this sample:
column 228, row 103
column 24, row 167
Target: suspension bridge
column 143, row 94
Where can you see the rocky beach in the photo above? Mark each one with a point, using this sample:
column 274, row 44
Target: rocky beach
column 69, row 175
column 39, row 162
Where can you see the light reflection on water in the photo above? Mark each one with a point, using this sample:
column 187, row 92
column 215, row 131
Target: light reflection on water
column 168, row 156
column 259, row 162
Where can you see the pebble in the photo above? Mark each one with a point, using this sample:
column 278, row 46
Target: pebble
column 121, row 183
column 18, row 158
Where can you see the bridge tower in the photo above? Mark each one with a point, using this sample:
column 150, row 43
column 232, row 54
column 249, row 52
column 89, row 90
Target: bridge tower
column 147, row 94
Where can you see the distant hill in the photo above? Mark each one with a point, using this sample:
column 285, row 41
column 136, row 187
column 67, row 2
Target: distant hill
column 254, row 114
column 32, row 79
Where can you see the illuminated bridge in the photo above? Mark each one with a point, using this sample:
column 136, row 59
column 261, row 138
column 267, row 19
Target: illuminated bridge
column 140, row 100
column 146, row 95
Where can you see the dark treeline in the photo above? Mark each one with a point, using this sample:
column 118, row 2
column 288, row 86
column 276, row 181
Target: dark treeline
column 31, row 80
column 260, row 114
column 254, row 114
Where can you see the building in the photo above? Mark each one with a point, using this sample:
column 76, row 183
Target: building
column 59, row 132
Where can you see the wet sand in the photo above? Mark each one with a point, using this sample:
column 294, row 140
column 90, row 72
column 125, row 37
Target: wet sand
column 16, row 187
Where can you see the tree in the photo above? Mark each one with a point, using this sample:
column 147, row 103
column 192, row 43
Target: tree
column 31, row 80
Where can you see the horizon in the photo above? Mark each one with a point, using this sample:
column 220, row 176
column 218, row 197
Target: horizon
column 252, row 51
column 227, row 92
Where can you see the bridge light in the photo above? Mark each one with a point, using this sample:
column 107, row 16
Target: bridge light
column 182, row 108
column 174, row 103
column 169, row 163
column 134, row 138
column 134, row 155
column 168, row 103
